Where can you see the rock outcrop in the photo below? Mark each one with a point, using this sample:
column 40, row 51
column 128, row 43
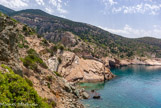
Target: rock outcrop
column 74, row 68
column 53, row 63
column 115, row 63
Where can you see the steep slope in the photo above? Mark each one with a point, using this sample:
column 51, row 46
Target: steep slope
column 96, row 42
column 23, row 56
column 6, row 10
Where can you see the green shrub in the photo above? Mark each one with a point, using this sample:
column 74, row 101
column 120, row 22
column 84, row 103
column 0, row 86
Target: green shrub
column 20, row 45
column 15, row 89
column 39, row 36
column 32, row 51
column 54, row 48
column 53, row 104
column 26, row 46
column 6, row 67
column 61, row 48
column 57, row 74
column 13, row 20
column 32, row 60
column 29, row 82
column 25, row 28
column 48, row 85
column 45, row 42
column 59, row 59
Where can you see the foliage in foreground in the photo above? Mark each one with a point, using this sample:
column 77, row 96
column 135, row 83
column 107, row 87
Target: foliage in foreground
column 16, row 91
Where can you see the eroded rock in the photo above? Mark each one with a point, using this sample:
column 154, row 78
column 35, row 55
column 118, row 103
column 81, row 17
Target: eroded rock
column 74, row 68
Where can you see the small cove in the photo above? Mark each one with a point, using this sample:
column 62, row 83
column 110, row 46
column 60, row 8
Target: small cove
column 134, row 87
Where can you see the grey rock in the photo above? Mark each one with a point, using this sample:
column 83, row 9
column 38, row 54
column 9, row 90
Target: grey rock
column 85, row 95
column 67, row 87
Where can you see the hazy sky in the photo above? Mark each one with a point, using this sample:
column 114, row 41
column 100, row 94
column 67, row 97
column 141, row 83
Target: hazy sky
column 130, row 18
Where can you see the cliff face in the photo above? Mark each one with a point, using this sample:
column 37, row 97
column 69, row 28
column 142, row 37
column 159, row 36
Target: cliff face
column 74, row 68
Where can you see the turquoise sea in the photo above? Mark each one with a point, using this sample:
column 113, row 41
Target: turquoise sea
column 133, row 87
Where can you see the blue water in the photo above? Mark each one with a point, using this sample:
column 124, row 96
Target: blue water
column 134, row 87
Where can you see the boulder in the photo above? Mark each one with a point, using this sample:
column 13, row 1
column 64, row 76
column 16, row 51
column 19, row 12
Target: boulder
column 85, row 95
column 96, row 97
column 53, row 63
column 67, row 87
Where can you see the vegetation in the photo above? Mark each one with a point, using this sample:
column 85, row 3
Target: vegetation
column 54, row 48
column 57, row 74
column 61, row 48
column 22, row 43
column 32, row 60
column 59, row 60
column 28, row 30
column 45, row 42
column 13, row 20
column 15, row 90
column 104, row 41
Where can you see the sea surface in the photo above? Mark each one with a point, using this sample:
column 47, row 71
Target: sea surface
column 133, row 87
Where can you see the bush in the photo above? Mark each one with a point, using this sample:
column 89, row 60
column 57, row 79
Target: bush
column 32, row 60
column 59, row 60
column 57, row 74
column 25, row 28
column 61, row 48
column 130, row 54
column 45, row 42
column 20, row 45
column 28, row 30
column 39, row 36
column 54, row 48
column 29, row 82
column 15, row 89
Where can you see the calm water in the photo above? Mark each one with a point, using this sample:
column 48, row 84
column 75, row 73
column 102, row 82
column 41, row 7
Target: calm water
column 134, row 87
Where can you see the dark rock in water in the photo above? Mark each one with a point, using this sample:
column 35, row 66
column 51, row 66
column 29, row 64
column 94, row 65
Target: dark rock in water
column 96, row 97
column 92, row 91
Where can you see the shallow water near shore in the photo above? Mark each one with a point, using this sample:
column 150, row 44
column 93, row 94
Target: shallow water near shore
column 134, row 87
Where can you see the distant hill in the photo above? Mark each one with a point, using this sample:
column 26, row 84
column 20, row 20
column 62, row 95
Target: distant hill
column 95, row 41
column 6, row 10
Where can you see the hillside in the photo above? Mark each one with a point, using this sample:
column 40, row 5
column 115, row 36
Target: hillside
column 24, row 73
column 85, row 39
column 6, row 10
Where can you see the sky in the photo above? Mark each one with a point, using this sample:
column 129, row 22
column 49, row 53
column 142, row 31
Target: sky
column 129, row 18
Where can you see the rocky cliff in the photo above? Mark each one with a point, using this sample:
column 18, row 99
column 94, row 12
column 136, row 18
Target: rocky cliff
column 74, row 68
column 21, row 50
